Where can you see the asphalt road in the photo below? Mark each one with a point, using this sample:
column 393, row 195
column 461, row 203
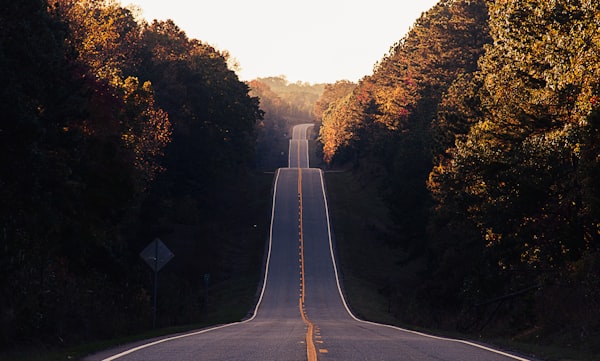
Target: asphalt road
column 301, row 314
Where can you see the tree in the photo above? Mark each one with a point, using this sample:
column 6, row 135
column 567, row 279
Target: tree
column 104, row 34
column 334, row 111
column 56, row 217
column 536, row 124
column 331, row 93
column 106, row 39
column 82, row 139
column 212, row 114
column 516, row 168
column 149, row 129
column 396, row 135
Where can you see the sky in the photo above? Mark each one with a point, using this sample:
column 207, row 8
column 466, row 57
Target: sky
column 314, row 41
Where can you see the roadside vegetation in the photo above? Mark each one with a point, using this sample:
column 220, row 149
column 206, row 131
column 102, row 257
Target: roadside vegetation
column 115, row 132
column 375, row 282
column 479, row 133
column 463, row 176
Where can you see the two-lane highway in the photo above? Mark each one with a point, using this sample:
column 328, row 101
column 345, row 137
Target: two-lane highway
column 301, row 313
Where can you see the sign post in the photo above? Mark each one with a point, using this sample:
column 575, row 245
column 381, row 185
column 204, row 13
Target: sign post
column 157, row 255
column 206, row 282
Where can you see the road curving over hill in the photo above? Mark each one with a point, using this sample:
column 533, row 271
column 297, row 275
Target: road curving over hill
column 301, row 313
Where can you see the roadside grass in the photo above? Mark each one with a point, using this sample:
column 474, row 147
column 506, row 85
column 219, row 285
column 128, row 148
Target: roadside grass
column 361, row 225
column 230, row 299
column 368, row 265
column 36, row 352
column 546, row 351
column 234, row 300
column 314, row 160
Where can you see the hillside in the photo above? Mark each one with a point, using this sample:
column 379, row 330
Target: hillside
column 479, row 131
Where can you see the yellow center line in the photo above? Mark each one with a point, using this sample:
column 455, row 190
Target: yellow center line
column 311, row 350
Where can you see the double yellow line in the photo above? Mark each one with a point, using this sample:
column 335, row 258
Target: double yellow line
column 311, row 350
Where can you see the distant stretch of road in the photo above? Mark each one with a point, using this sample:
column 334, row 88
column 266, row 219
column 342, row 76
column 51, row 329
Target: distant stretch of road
column 301, row 313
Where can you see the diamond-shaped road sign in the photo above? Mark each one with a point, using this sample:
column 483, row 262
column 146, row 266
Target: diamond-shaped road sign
column 156, row 255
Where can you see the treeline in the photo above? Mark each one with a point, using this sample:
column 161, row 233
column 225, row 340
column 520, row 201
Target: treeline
column 113, row 131
column 480, row 128
column 285, row 99
column 284, row 104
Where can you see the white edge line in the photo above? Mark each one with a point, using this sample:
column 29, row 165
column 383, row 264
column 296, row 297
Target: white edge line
column 307, row 156
column 337, row 280
column 306, row 140
column 290, row 153
column 268, row 262
column 305, row 127
column 132, row 350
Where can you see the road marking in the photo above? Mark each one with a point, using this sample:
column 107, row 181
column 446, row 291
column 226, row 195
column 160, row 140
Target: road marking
column 311, row 350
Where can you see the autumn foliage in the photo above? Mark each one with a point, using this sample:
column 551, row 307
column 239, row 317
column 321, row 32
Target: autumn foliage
column 481, row 130
column 109, row 124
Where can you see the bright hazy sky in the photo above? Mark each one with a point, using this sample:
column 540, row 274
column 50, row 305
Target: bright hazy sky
column 316, row 41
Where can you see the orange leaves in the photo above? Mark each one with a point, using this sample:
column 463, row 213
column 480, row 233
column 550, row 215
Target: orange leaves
column 104, row 34
column 332, row 93
column 401, row 94
column 106, row 38
column 517, row 170
column 395, row 104
column 334, row 109
column 339, row 126
column 148, row 130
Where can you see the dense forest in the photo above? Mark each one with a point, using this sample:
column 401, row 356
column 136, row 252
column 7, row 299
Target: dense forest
column 480, row 130
column 115, row 131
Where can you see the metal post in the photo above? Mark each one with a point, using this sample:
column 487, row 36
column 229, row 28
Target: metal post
column 150, row 255
column 155, row 283
column 206, row 283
